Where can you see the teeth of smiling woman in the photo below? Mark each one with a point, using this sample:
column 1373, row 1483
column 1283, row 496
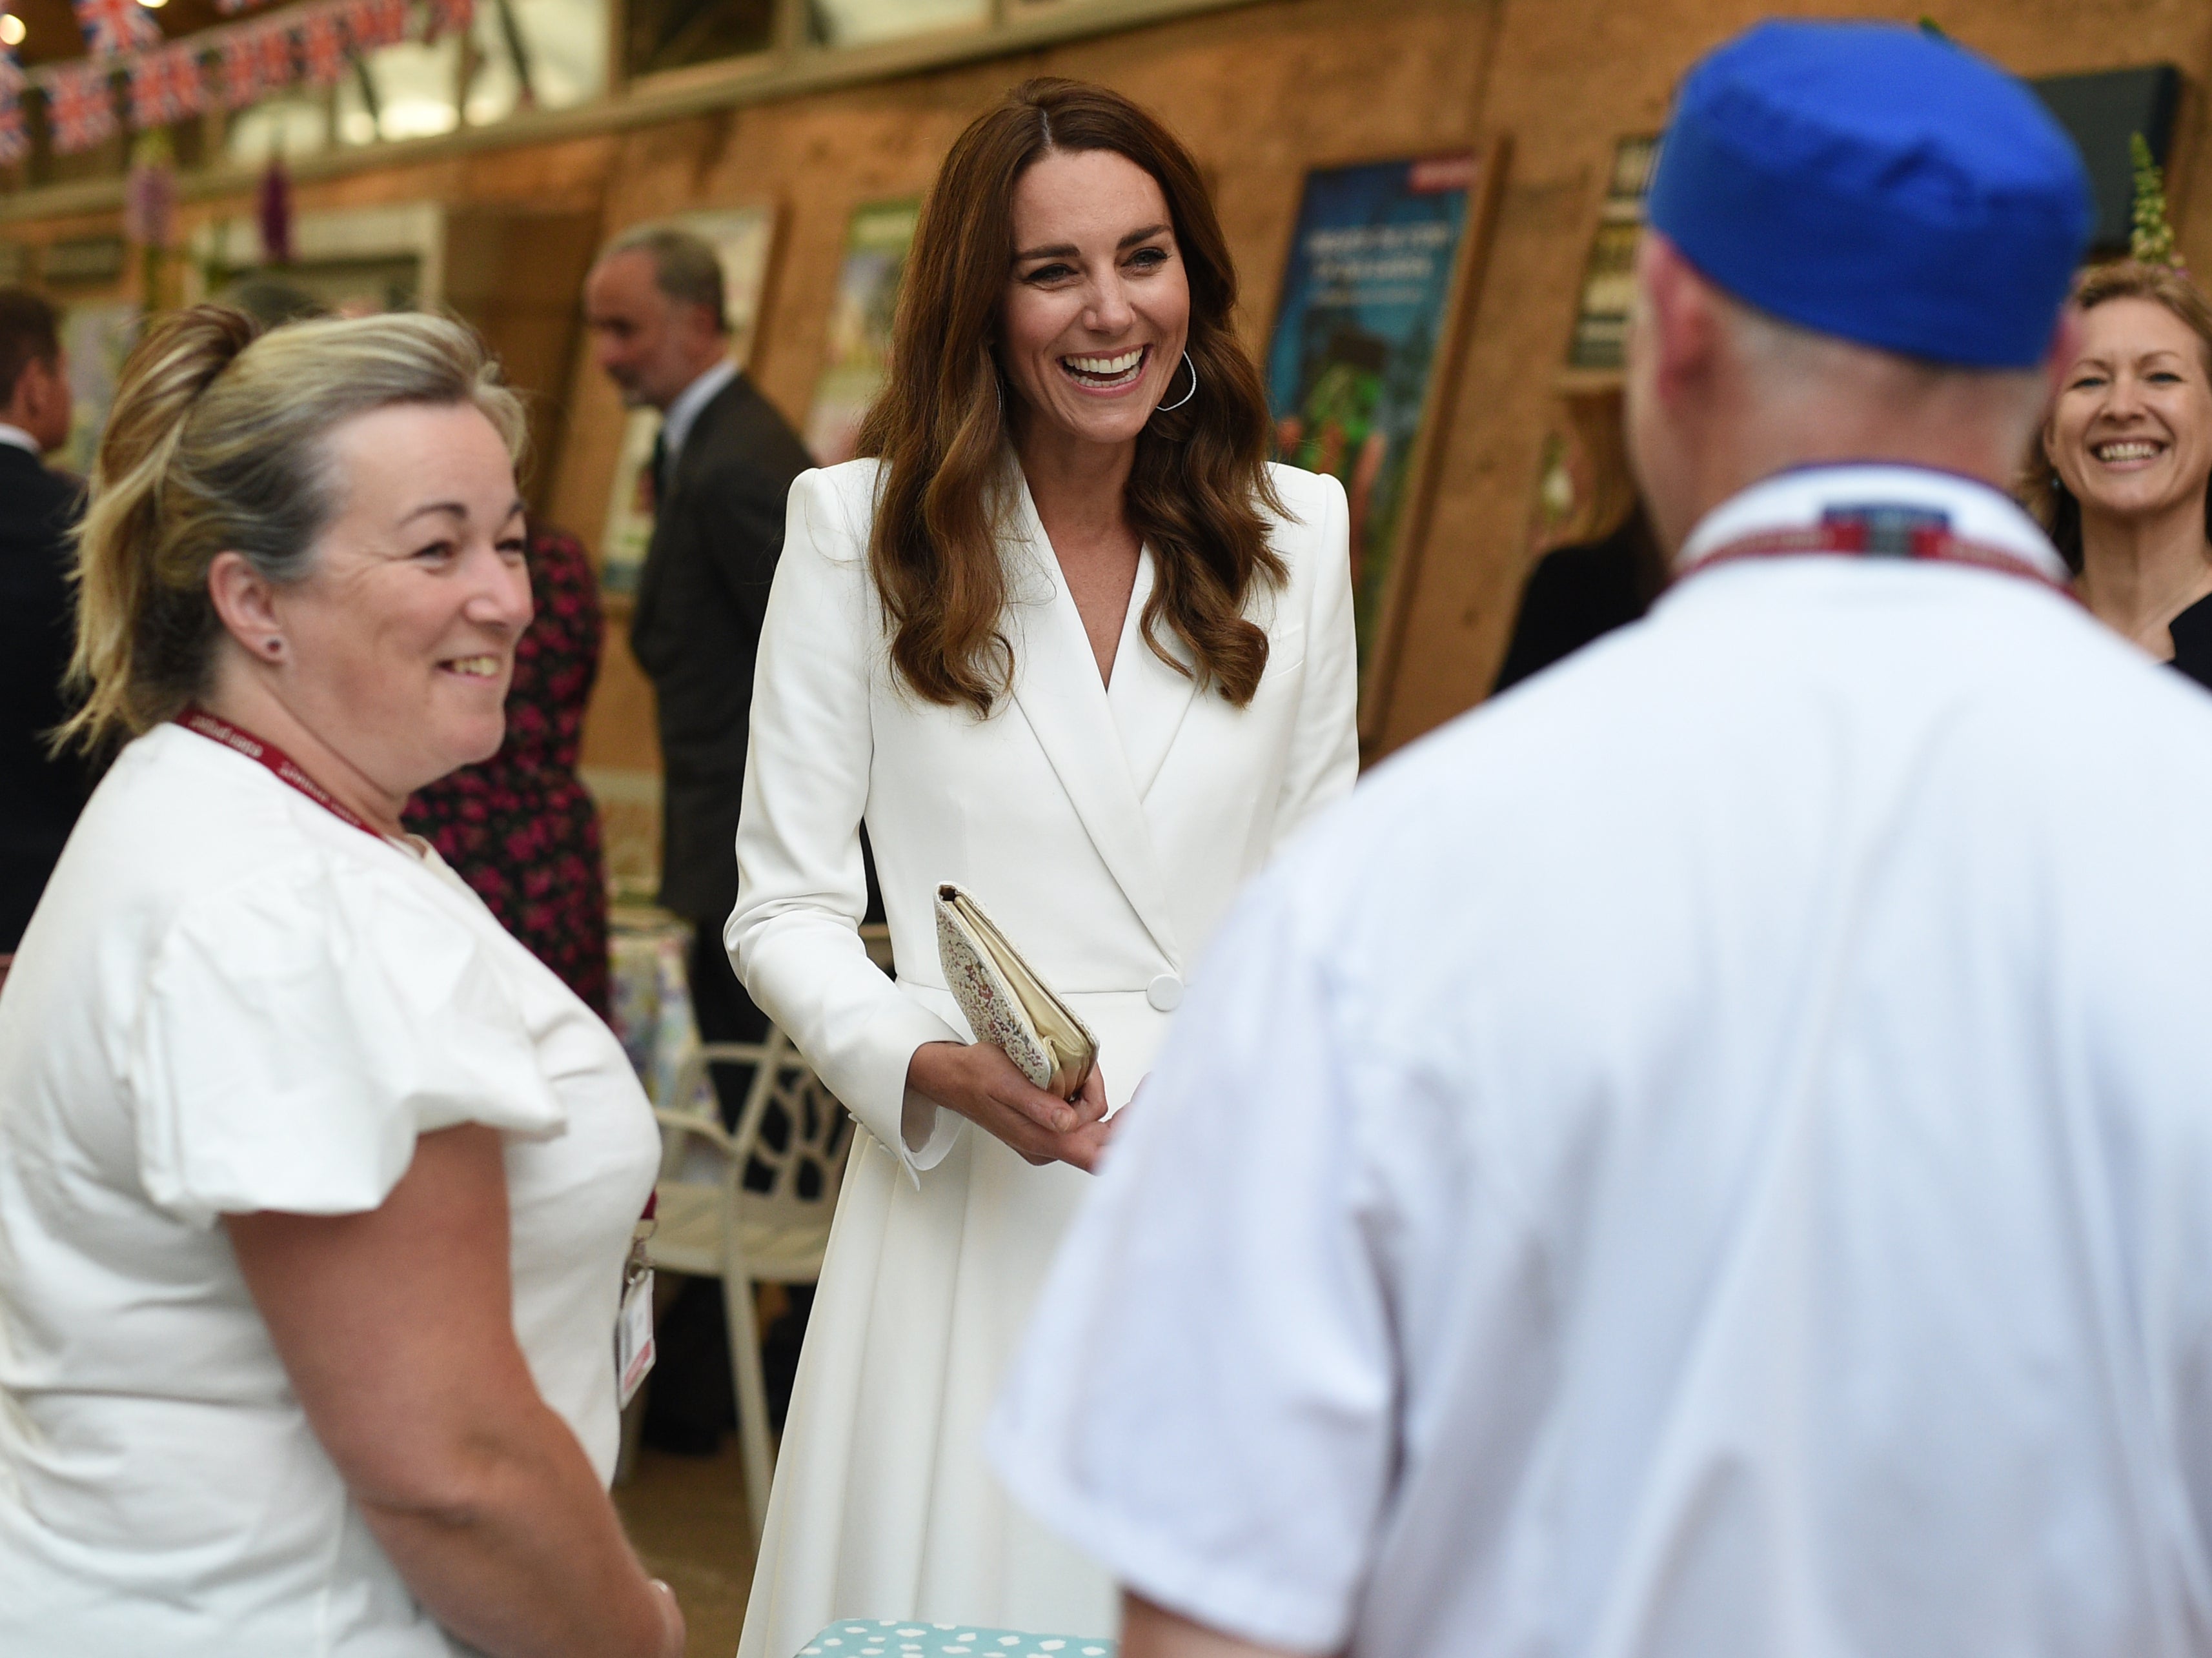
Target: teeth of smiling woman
column 1122, row 366
column 476, row 667
column 2136, row 451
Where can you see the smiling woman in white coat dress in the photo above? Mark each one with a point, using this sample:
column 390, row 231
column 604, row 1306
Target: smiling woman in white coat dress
column 1069, row 641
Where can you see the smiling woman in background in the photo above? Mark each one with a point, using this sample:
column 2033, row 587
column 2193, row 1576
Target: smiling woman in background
column 2125, row 459
column 1071, row 643
column 315, row 1185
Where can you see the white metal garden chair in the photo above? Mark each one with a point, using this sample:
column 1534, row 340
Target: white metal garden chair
column 751, row 1206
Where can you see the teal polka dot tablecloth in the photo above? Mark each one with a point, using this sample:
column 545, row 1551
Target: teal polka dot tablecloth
column 856, row 1638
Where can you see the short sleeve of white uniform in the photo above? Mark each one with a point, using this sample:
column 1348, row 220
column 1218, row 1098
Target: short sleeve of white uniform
column 299, row 1032
column 1205, row 1404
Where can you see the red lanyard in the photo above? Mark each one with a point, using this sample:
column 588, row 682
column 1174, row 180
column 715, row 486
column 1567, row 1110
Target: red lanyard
column 1857, row 536
column 267, row 754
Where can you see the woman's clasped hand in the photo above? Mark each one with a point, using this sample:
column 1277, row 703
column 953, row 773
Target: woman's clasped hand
column 978, row 1081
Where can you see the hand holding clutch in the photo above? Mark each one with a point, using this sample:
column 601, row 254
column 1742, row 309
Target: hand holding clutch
column 977, row 1081
column 1005, row 1001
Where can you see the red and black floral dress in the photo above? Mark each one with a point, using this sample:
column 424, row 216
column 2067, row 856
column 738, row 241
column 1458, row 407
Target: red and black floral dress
column 520, row 828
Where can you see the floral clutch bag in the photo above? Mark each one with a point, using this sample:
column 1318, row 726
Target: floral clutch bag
column 1005, row 1003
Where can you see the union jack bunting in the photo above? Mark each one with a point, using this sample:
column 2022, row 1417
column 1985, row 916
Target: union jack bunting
column 80, row 106
column 256, row 62
column 113, row 27
column 323, row 46
column 374, row 23
column 241, row 82
column 449, row 17
column 166, row 86
column 15, row 138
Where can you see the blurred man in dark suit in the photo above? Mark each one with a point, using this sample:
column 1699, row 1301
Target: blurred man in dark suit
column 721, row 471
column 39, row 795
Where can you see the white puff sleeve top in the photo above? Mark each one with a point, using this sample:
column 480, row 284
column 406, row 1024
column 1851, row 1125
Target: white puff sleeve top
column 229, row 1000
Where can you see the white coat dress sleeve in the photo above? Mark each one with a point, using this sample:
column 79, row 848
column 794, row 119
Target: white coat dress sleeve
column 1324, row 757
column 794, row 936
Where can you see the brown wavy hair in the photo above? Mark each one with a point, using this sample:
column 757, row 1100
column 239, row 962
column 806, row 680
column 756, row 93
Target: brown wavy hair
column 2041, row 490
column 943, row 424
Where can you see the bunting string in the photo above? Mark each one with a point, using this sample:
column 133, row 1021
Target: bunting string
column 114, row 28
column 231, row 64
column 15, row 135
column 80, row 104
column 166, row 87
column 322, row 36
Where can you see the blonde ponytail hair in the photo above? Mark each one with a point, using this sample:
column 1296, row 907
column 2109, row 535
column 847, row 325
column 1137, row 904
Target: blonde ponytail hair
column 217, row 443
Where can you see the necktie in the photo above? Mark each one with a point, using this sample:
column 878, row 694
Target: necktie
column 659, row 469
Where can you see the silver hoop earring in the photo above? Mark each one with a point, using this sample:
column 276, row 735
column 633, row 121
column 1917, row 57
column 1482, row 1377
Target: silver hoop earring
column 1169, row 408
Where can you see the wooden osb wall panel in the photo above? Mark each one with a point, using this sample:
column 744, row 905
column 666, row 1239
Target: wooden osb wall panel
column 557, row 177
column 1569, row 76
column 567, row 176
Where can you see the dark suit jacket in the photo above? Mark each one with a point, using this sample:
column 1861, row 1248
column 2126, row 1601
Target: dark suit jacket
column 39, row 797
column 2192, row 642
column 701, row 597
column 1577, row 593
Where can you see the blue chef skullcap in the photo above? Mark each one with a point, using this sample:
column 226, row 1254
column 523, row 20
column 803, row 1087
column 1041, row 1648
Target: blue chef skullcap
column 1872, row 182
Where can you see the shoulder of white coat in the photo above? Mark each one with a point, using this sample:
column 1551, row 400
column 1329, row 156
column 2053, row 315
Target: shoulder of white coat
column 838, row 502
column 1312, row 502
column 1306, row 533
column 832, row 509
column 823, row 574
column 1307, row 498
column 852, row 480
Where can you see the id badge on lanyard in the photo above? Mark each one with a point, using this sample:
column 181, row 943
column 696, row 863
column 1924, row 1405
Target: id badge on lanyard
column 634, row 1348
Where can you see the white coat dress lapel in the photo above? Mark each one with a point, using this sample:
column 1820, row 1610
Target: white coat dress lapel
column 1057, row 686
column 1148, row 698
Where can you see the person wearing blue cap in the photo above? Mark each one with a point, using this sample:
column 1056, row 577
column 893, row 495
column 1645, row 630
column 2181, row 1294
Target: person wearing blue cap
column 1709, row 1155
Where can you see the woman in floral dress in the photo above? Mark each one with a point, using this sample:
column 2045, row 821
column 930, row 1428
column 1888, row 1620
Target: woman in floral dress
column 520, row 828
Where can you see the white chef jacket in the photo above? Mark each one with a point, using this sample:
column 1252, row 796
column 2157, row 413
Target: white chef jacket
column 1712, row 1154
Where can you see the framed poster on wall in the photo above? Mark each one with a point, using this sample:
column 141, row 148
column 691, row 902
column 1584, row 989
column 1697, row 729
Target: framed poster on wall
column 1363, row 350
column 876, row 243
column 1601, row 336
column 744, row 239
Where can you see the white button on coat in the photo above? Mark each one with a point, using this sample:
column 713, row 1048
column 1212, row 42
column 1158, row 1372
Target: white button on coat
column 1164, row 992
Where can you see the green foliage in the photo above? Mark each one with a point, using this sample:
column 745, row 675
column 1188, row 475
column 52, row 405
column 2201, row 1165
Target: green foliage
column 2151, row 240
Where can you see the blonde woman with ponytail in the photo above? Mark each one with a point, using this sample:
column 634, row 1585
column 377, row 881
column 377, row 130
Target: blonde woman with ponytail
column 315, row 1186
